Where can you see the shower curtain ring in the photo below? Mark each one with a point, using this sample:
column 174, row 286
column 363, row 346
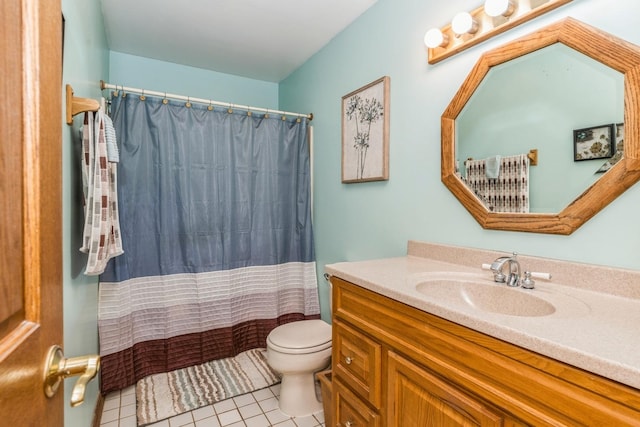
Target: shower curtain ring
column 266, row 116
column 210, row 107
column 230, row 109
column 249, row 111
column 165, row 101
column 188, row 104
column 142, row 97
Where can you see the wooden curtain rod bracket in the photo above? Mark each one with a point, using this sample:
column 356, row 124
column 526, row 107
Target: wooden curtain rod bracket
column 77, row 105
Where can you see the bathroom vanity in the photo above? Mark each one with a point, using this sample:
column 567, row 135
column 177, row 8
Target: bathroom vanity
column 416, row 343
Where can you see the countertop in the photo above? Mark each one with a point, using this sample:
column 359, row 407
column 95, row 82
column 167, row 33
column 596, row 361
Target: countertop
column 595, row 327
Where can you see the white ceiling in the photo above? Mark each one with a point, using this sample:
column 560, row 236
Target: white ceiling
column 258, row 39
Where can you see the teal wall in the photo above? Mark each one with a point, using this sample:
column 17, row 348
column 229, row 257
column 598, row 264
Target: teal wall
column 145, row 73
column 373, row 220
column 86, row 61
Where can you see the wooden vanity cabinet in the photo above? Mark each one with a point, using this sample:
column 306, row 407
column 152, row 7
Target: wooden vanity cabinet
column 397, row 366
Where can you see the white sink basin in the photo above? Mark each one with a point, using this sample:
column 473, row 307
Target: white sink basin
column 487, row 297
column 480, row 293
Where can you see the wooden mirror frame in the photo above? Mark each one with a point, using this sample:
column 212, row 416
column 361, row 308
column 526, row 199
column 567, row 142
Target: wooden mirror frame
column 616, row 53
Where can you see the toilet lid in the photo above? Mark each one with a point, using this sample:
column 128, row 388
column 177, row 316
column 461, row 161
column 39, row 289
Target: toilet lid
column 305, row 336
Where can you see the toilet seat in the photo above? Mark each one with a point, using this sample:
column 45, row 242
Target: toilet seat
column 305, row 336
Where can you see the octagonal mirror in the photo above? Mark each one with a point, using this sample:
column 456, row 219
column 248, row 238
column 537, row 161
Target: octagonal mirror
column 529, row 95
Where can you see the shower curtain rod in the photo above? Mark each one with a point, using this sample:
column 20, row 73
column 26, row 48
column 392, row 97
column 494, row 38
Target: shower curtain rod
column 104, row 85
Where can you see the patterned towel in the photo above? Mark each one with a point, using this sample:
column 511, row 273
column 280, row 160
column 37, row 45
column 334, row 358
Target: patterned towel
column 101, row 235
column 169, row 394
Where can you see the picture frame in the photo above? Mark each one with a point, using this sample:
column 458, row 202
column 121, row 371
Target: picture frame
column 593, row 143
column 365, row 133
column 618, row 149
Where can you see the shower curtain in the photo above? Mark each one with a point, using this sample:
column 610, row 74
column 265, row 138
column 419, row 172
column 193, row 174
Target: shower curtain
column 217, row 236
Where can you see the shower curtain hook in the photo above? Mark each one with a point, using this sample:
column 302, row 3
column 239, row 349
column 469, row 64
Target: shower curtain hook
column 249, row 111
column 142, row 97
column 230, row 109
column 266, row 116
column 165, row 101
column 188, row 104
column 210, row 107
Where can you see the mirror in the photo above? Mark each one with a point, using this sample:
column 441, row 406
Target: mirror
column 535, row 102
column 573, row 191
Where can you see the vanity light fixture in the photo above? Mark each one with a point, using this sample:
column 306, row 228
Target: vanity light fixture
column 470, row 28
column 495, row 8
column 464, row 23
column 435, row 38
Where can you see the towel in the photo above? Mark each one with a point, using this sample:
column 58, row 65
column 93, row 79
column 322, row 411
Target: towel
column 493, row 167
column 101, row 234
column 113, row 155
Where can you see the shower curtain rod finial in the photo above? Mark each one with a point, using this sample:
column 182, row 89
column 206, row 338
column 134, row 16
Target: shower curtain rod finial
column 310, row 116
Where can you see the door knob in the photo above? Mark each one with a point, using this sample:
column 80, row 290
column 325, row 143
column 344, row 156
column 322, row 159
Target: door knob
column 57, row 367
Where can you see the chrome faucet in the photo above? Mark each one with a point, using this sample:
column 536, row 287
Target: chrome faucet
column 513, row 277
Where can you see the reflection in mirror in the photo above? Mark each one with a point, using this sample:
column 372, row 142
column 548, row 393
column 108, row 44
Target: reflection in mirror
column 610, row 67
column 536, row 101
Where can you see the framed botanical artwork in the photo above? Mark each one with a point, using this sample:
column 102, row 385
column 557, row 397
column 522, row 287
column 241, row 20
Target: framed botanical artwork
column 365, row 133
column 593, row 143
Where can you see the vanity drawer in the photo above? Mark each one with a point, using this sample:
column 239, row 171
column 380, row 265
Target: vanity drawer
column 350, row 410
column 357, row 359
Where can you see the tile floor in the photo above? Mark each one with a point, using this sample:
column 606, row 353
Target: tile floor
column 257, row 409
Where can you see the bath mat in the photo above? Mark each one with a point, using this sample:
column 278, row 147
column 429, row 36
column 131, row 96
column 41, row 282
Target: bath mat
column 165, row 395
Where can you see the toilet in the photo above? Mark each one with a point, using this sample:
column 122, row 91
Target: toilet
column 298, row 350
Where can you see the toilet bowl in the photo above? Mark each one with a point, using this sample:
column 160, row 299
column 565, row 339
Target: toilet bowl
column 298, row 350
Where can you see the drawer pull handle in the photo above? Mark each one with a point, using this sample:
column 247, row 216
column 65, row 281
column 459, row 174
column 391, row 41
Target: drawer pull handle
column 348, row 424
column 348, row 361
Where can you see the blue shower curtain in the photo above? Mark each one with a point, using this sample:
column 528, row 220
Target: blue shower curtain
column 217, row 236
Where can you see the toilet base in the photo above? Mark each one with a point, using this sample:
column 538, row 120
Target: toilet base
column 298, row 395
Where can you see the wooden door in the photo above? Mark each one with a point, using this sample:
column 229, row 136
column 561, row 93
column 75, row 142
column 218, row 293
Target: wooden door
column 419, row 398
column 30, row 208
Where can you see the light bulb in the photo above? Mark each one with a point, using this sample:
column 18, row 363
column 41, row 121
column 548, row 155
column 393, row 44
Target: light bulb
column 495, row 8
column 464, row 23
column 434, row 38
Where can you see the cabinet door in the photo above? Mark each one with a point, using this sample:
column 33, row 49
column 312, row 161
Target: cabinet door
column 350, row 410
column 416, row 397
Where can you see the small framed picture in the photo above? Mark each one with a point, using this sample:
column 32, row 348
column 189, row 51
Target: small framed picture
column 365, row 133
column 618, row 149
column 593, row 143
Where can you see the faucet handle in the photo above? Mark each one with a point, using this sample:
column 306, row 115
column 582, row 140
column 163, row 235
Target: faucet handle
column 543, row 276
column 498, row 276
column 527, row 282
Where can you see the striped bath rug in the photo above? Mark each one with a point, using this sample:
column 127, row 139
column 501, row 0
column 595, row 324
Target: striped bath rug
column 165, row 395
